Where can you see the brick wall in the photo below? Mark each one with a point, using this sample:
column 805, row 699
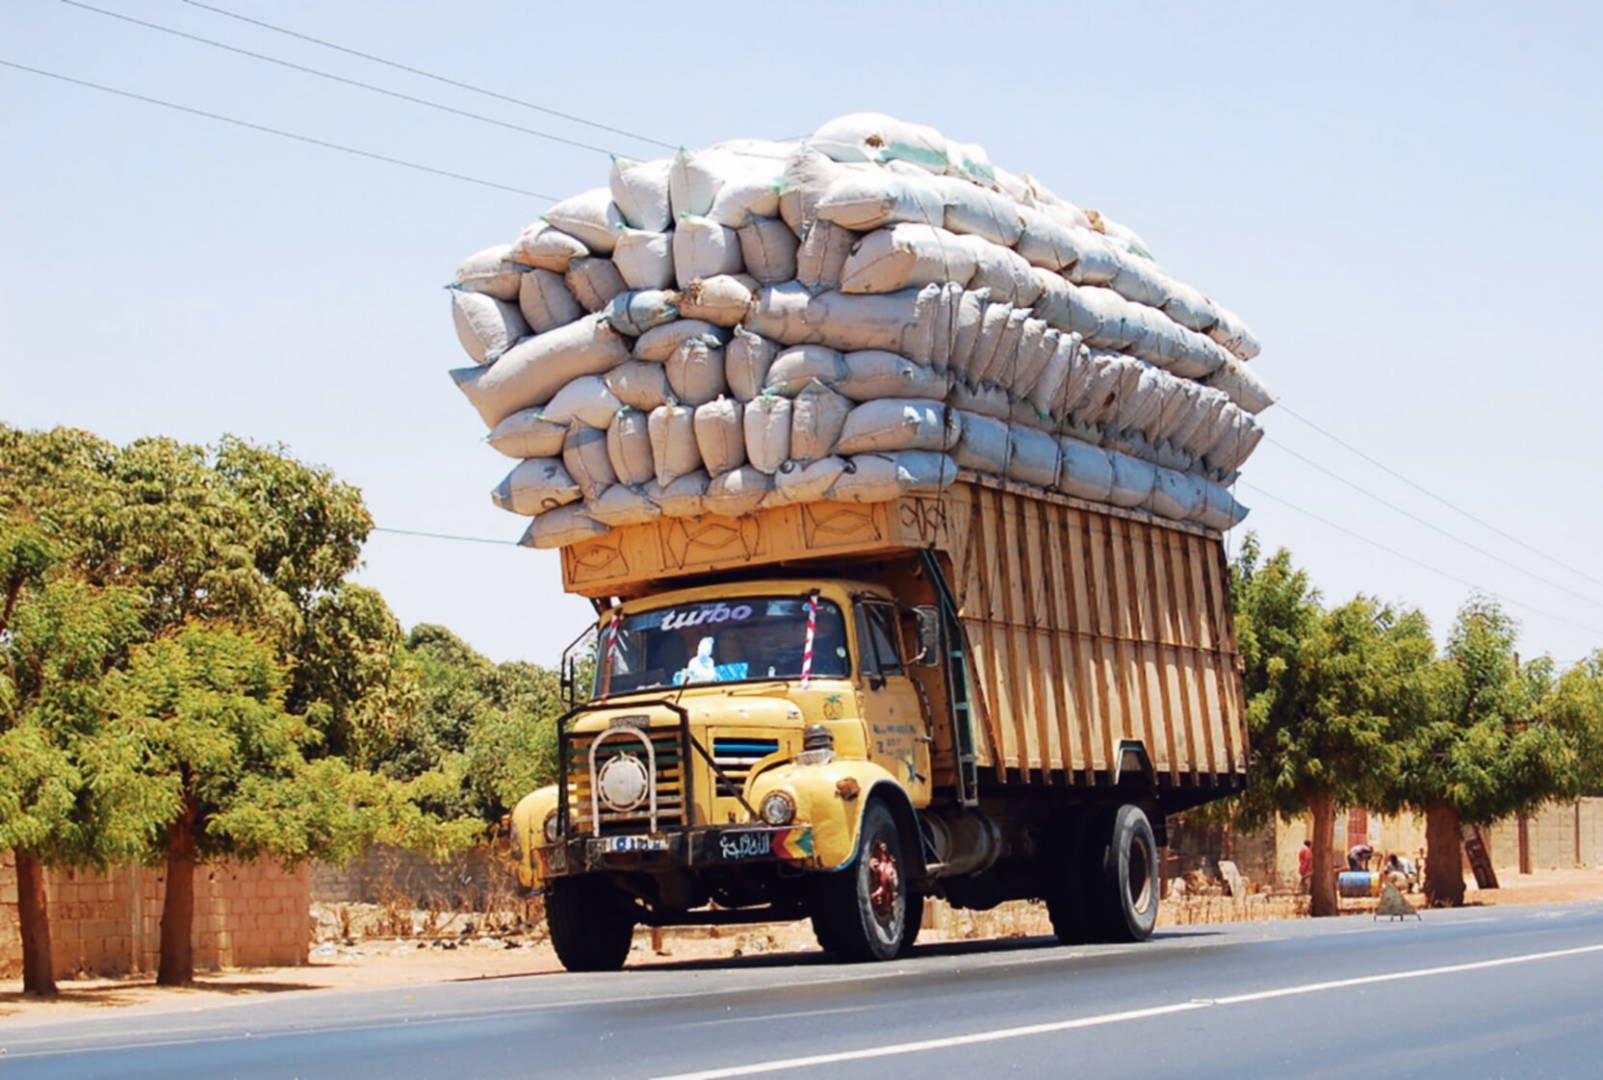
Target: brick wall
column 109, row 922
column 1552, row 833
column 470, row 879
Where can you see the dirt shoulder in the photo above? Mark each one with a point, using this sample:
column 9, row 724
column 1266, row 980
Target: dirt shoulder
column 388, row 963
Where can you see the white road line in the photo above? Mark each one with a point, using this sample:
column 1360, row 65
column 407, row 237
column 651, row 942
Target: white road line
column 998, row 1034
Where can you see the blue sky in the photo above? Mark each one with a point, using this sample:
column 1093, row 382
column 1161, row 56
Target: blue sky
column 1402, row 200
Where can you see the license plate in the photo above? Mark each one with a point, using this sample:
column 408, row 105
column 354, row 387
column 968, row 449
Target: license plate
column 619, row 845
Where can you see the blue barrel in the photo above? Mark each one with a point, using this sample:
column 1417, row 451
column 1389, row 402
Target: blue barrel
column 1358, row 883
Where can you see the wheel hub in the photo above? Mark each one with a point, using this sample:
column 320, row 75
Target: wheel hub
column 884, row 880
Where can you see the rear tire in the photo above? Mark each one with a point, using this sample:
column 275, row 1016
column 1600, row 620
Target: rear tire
column 863, row 911
column 1068, row 874
column 591, row 927
column 1124, row 881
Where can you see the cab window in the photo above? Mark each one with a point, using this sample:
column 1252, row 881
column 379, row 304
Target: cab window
column 882, row 654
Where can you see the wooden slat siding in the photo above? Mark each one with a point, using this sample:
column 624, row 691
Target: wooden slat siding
column 1198, row 663
column 980, row 558
column 1190, row 673
column 1152, row 632
column 1155, row 723
column 1130, row 718
column 1011, row 590
column 1037, row 655
column 1195, row 554
column 1074, row 728
column 1089, row 571
column 1191, row 726
column 1211, row 555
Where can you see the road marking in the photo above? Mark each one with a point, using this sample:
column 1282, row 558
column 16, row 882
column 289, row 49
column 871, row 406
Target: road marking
column 856, row 1009
column 1027, row 1030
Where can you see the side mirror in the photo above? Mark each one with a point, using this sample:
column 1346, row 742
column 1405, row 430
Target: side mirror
column 928, row 621
column 578, row 662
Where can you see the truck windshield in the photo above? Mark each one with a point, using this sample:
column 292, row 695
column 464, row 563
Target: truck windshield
column 750, row 637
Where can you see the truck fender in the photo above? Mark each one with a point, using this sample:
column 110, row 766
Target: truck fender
column 528, row 833
column 831, row 798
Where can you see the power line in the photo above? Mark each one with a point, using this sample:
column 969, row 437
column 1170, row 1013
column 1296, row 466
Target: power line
column 1419, row 562
column 444, row 536
column 425, row 102
column 427, row 74
column 1338, row 440
column 1455, row 538
column 308, row 139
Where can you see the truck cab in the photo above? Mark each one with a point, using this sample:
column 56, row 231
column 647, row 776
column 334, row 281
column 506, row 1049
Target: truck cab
column 734, row 737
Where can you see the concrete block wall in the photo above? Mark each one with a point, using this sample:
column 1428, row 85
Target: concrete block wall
column 109, row 922
column 1560, row 835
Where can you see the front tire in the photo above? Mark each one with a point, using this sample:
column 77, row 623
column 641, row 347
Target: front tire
column 864, row 908
column 591, row 927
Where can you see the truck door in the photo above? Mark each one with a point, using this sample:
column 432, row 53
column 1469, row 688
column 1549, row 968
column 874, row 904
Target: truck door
column 893, row 709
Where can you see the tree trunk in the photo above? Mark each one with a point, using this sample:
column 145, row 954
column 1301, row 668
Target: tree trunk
column 1322, row 885
column 1444, row 859
column 177, row 965
column 33, row 922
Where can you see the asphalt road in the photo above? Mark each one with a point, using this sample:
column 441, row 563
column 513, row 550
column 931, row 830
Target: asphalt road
column 1471, row 993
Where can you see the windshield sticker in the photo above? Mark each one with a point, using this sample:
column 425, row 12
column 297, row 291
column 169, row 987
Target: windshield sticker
column 704, row 614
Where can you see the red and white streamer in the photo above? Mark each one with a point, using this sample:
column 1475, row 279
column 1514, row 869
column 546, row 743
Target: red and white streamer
column 807, row 645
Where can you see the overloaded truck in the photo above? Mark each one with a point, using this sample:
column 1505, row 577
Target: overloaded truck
column 832, row 710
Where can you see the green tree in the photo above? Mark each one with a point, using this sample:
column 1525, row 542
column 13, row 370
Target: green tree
column 1325, row 692
column 1497, row 738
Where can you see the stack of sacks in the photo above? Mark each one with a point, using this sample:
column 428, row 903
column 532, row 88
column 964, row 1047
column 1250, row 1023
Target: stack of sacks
column 850, row 318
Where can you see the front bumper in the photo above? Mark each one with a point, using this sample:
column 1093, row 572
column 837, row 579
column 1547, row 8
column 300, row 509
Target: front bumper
column 703, row 847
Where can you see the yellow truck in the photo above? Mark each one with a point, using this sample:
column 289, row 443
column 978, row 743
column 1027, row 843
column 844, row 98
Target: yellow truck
column 829, row 711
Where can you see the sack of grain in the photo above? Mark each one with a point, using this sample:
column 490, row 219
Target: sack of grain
column 547, row 248
column 1242, row 384
column 534, row 369
column 644, row 259
column 879, row 138
column 673, row 442
column 661, row 342
column 909, row 424
column 1176, row 495
column 1228, row 330
column 984, row 445
column 591, row 217
column 987, row 400
column 702, row 248
column 584, row 455
column 622, row 505
column 535, row 486
column 811, row 482
column 490, row 272
column 639, row 385
column 794, row 368
column 546, row 302
column 906, row 256
column 737, row 492
column 527, row 434
column 768, row 248
column 629, row 446
column 1133, row 480
column 821, row 257
column 696, row 372
column 593, row 281
column 978, row 211
column 562, row 527
column 485, row 326
column 633, row 313
column 722, row 300
column 585, row 400
column 720, row 438
column 900, row 322
column 767, row 427
column 871, row 478
column 1084, row 471
column 1049, row 395
column 1032, row 457
column 871, row 374
column 681, row 497
column 747, row 359
column 816, row 420
column 640, row 190
column 1220, row 510
column 872, row 199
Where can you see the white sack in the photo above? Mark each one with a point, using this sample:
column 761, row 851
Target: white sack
column 593, row 282
column 545, row 301
column 485, row 326
column 586, row 400
column 661, row 342
column 873, row 373
column 561, row 527
column 985, row 360
column 534, row 369
column 984, row 446
column 767, row 428
column 1048, row 397
column 798, row 483
column 768, row 248
column 816, row 420
column 535, row 486
column 639, row 385
column 1133, row 480
column 821, row 257
column 629, row 447
column 899, row 425
column 901, row 322
column 1004, row 271
column 871, row 199
column 906, row 256
column 737, row 492
column 584, row 455
column 681, row 497
column 489, row 272
column 1243, row 385
column 673, row 442
column 634, row 313
column 968, row 320
column 794, row 368
column 879, row 138
column 644, row 259
column 527, row 434
column 870, row 478
column 747, row 359
column 1033, row 457
column 702, row 248
column 722, row 300
column 696, row 372
column 720, row 439
column 640, row 190
column 547, row 248
column 1176, row 495
column 1189, row 307
column 591, row 217
column 978, row 211
column 1228, row 330
column 1085, row 471
column 987, row 400
column 1220, row 510
column 622, row 505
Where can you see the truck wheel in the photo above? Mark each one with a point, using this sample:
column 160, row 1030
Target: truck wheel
column 591, row 928
column 864, row 907
column 1068, row 876
column 912, row 923
column 1124, row 877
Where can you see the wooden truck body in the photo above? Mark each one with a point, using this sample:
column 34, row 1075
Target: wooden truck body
column 985, row 693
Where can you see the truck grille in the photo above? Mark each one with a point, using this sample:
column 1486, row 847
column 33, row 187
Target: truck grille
column 735, row 757
column 670, row 782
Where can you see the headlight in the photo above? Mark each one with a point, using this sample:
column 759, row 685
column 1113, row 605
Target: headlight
column 779, row 808
column 551, row 834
